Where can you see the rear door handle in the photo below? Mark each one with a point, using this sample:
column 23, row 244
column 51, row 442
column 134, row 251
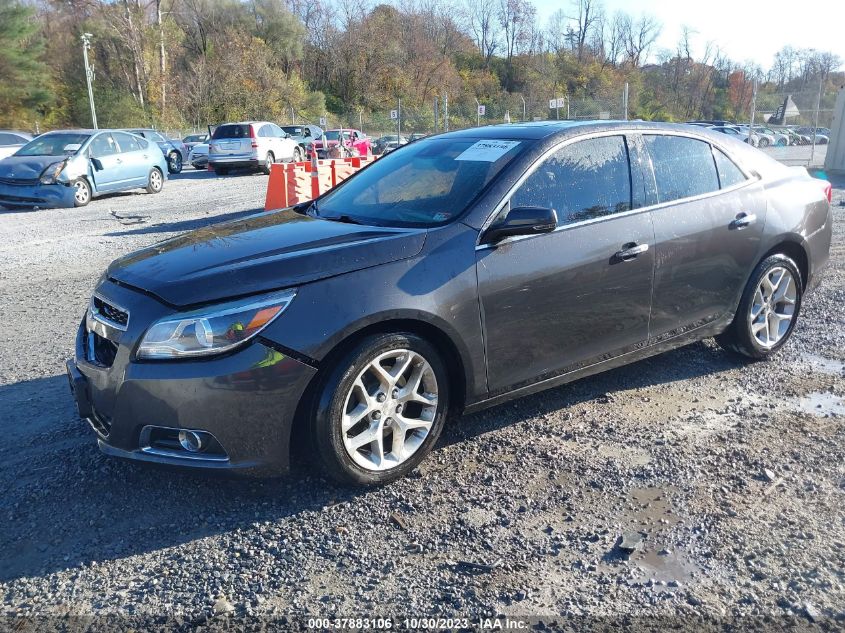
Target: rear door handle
column 630, row 251
column 743, row 220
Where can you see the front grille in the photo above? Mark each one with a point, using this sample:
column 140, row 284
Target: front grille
column 28, row 182
column 104, row 350
column 111, row 313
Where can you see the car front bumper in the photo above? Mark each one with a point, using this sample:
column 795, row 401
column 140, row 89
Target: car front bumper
column 244, row 403
column 43, row 196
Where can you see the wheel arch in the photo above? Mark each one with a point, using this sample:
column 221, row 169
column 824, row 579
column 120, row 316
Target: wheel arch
column 796, row 251
column 437, row 336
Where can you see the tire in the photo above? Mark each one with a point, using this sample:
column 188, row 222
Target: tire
column 763, row 142
column 155, row 181
column 81, row 193
column 344, row 390
column 174, row 163
column 297, row 154
column 740, row 337
column 268, row 160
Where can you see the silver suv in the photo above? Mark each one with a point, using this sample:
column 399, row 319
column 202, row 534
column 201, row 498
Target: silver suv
column 251, row 144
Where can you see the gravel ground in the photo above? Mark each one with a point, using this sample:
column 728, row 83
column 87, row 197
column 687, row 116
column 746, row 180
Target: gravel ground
column 732, row 475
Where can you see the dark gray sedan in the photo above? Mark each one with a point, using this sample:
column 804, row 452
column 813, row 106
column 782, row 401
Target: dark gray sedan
column 456, row 273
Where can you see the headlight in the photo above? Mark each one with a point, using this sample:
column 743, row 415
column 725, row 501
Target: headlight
column 50, row 175
column 212, row 330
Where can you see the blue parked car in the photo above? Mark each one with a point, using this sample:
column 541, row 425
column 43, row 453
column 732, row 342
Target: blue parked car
column 67, row 168
column 176, row 152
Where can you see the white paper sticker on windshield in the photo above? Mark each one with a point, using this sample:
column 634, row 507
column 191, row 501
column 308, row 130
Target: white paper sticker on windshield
column 489, row 150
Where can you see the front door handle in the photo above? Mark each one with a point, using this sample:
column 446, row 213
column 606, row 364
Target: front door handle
column 630, row 251
column 743, row 220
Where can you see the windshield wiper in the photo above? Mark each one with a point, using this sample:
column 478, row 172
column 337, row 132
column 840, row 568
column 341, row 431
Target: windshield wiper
column 314, row 212
column 346, row 219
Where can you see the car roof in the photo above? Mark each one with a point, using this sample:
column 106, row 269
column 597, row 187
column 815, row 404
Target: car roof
column 538, row 130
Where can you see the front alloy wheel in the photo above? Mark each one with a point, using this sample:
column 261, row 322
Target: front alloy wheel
column 81, row 193
column 381, row 410
column 389, row 410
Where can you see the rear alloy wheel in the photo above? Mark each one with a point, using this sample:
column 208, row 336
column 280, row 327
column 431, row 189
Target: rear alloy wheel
column 269, row 160
column 764, row 142
column 768, row 309
column 81, row 192
column 174, row 163
column 381, row 410
column 155, row 181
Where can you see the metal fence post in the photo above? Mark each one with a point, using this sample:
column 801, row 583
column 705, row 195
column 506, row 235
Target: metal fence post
column 816, row 124
column 625, row 100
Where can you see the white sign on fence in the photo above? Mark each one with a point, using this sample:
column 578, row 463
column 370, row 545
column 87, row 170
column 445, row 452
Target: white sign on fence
column 561, row 102
column 552, row 104
column 481, row 110
column 394, row 114
column 323, row 122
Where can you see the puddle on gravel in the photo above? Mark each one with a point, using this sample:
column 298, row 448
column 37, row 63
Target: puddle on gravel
column 663, row 568
column 822, row 404
column 652, row 507
column 824, row 365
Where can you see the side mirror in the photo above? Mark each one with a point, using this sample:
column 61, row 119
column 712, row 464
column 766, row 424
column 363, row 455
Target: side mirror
column 522, row 221
column 98, row 165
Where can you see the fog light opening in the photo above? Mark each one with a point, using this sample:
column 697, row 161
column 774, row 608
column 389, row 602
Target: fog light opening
column 191, row 441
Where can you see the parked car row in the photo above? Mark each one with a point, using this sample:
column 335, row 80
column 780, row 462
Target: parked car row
column 764, row 136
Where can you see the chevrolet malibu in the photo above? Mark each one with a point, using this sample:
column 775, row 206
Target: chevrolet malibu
column 455, row 273
column 69, row 168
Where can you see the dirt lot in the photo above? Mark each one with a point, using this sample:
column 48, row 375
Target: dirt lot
column 733, row 473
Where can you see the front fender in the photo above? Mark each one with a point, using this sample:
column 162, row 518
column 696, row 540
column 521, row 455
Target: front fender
column 437, row 289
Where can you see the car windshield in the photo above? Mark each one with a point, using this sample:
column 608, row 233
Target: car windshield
column 64, row 144
column 194, row 138
column 292, row 130
column 428, row 183
column 333, row 135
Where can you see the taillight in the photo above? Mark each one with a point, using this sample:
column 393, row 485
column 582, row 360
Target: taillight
column 252, row 136
column 828, row 190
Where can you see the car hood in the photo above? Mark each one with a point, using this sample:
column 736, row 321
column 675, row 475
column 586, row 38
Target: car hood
column 259, row 253
column 26, row 167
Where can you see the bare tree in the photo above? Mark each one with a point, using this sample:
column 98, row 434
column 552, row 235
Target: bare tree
column 483, row 24
column 638, row 37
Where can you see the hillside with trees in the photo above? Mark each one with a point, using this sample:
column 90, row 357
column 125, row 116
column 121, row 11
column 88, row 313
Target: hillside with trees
column 180, row 64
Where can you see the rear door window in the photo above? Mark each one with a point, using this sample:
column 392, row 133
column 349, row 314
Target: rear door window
column 729, row 173
column 582, row 181
column 683, row 167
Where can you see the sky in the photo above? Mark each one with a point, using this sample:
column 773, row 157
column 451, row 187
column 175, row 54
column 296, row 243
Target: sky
column 751, row 30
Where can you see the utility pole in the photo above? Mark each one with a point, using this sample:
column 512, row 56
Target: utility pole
column 477, row 114
column 446, row 112
column 89, row 75
column 399, row 121
column 436, row 114
column 523, row 108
